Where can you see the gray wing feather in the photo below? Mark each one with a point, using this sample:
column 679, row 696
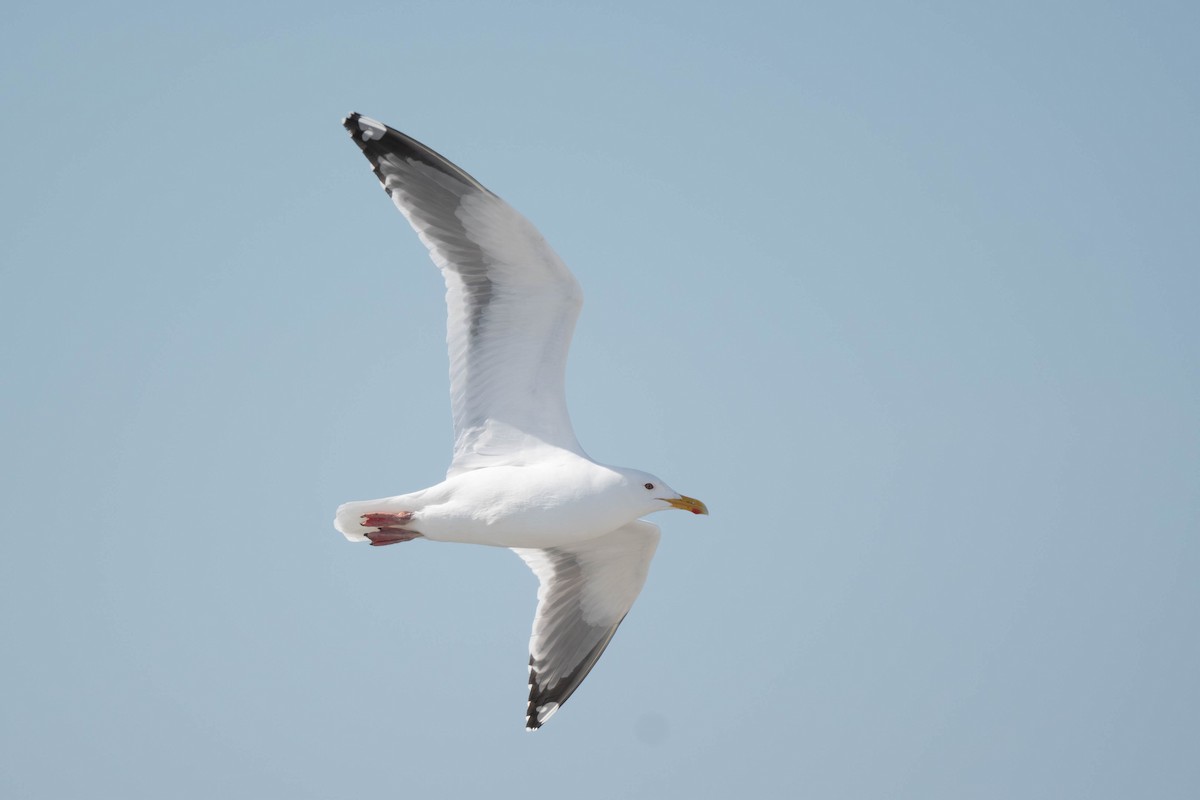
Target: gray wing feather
column 584, row 594
column 512, row 303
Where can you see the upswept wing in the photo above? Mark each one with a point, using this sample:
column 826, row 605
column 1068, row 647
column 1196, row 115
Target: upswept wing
column 512, row 302
column 585, row 592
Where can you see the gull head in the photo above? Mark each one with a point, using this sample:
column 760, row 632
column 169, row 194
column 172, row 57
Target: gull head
column 650, row 493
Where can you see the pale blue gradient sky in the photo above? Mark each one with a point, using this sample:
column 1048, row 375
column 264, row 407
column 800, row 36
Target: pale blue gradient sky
column 906, row 293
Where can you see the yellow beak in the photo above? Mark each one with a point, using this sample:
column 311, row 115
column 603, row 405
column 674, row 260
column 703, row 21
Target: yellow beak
column 687, row 504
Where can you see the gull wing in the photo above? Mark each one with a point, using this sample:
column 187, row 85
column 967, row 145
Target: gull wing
column 585, row 592
column 512, row 303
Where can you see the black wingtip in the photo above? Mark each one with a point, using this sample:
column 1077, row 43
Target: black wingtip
column 544, row 702
column 532, row 723
column 352, row 124
column 378, row 141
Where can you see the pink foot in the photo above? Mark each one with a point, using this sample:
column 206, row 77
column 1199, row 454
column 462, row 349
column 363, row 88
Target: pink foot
column 386, row 520
column 391, row 528
column 390, row 536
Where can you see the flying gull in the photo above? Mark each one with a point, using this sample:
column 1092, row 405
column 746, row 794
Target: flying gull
column 519, row 478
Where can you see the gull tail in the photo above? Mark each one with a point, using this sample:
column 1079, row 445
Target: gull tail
column 349, row 519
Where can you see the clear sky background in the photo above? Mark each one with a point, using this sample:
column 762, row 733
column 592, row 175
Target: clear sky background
column 907, row 293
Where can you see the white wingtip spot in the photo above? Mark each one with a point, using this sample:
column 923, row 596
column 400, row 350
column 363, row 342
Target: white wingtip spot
column 371, row 129
column 546, row 712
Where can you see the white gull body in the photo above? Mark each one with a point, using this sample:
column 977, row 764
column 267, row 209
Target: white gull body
column 518, row 477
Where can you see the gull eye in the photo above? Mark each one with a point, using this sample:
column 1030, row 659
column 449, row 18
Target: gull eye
column 649, row 485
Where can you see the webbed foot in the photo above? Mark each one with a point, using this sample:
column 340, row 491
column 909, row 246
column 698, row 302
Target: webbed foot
column 391, row 530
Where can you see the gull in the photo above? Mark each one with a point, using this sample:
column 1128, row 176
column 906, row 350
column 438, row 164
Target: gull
column 518, row 477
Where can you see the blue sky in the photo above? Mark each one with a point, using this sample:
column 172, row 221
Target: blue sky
column 906, row 293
